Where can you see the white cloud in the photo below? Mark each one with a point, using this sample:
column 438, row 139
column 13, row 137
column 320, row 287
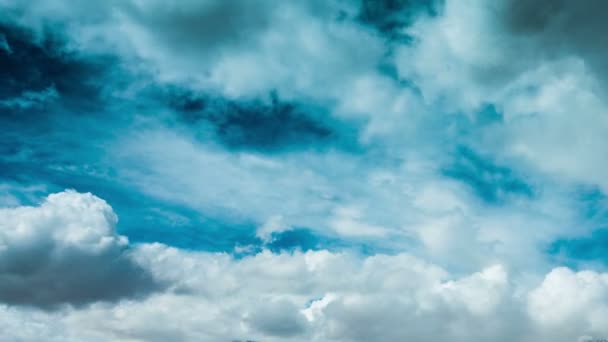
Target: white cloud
column 300, row 296
column 348, row 222
column 406, row 205
column 273, row 225
column 571, row 302
column 63, row 251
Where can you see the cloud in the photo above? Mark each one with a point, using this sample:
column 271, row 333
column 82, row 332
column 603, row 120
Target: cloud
column 268, row 126
column 569, row 302
column 281, row 319
column 298, row 296
column 4, row 45
column 536, row 63
column 42, row 73
column 559, row 28
column 31, row 99
column 320, row 296
column 323, row 170
column 286, row 48
column 407, row 205
column 66, row 251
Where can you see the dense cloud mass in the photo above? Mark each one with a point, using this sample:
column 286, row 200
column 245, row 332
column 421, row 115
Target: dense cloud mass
column 324, row 296
column 66, row 251
column 342, row 170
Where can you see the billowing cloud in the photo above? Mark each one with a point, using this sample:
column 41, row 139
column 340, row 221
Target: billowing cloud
column 66, row 251
column 323, row 296
column 568, row 302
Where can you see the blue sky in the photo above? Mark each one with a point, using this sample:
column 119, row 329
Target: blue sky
column 303, row 171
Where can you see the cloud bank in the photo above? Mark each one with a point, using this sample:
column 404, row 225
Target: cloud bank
column 300, row 296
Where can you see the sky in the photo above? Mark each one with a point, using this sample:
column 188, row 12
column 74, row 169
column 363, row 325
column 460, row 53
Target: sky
column 314, row 170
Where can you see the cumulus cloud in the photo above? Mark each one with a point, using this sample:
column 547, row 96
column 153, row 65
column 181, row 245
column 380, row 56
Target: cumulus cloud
column 569, row 302
column 323, row 296
column 66, row 251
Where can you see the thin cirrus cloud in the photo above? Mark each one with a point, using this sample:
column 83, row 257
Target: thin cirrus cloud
column 302, row 171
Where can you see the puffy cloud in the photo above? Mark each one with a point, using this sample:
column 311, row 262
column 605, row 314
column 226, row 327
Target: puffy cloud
column 66, row 251
column 323, row 296
column 569, row 302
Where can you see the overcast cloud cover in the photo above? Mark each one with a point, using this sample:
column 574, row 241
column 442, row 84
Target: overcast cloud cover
column 320, row 170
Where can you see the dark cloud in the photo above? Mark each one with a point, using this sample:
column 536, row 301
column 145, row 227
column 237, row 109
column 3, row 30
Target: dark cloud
column 280, row 318
column 563, row 27
column 266, row 126
column 66, row 251
column 533, row 32
column 391, row 17
column 551, row 17
column 37, row 67
column 200, row 27
column 493, row 183
column 45, row 276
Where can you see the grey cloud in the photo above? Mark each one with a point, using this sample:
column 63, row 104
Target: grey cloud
column 324, row 296
column 201, row 27
column 475, row 49
column 66, row 252
column 42, row 73
column 268, row 126
column 342, row 297
column 530, row 33
column 280, row 318
column 391, row 17
column 561, row 27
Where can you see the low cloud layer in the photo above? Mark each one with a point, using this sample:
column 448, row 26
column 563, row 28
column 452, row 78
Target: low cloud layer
column 312, row 296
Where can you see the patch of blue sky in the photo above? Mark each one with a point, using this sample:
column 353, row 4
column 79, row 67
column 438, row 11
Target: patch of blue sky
column 491, row 182
column 268, row 126
column 304, row 239
column 143, row 218
column 589, row 248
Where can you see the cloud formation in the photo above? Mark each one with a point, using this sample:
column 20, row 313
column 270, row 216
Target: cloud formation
column 335, row 170
column 321, row 296
column 66, row 251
